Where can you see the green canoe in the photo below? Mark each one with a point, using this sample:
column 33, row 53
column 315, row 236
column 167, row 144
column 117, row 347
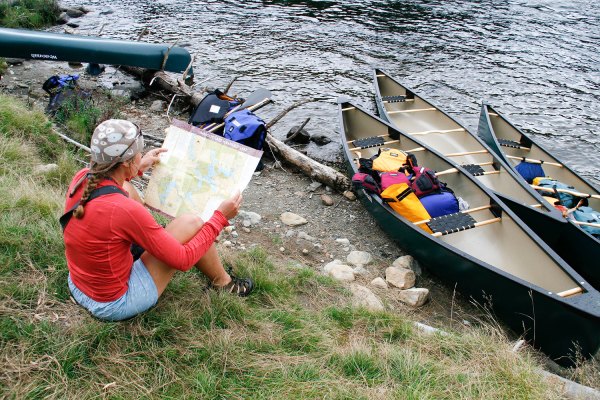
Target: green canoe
column 18, row 43
column 486, row 251
column 418, row 117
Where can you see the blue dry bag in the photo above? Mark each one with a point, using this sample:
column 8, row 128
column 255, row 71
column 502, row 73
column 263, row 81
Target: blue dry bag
column 246, row 128
column 530, row 171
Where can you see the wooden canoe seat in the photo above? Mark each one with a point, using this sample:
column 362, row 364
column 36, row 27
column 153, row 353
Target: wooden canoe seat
column 393, row 99
column 373, row 141
column 451, row 223
column 509, row 143
column 473, row 169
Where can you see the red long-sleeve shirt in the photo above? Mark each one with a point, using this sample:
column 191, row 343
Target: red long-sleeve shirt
column 97, row 246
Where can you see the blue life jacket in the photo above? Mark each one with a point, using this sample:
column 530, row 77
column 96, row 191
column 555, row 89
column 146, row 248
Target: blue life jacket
column 246, row 128
column 566, row 199
column 588, row 214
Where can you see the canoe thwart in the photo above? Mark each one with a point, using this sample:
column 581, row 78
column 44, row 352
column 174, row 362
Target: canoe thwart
column 533, row 161
column 571, row 192
column 570, row 292
column 412, row 110
column 470, row 210
column 393, row 99
column 373, row 141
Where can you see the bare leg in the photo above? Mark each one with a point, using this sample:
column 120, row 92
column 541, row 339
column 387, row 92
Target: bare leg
column 183, row 229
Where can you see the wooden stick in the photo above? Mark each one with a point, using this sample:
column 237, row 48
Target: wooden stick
column 464, row 212
column 477, row 224
column 466, row 153
column 585, row 223
column 297, row 131
column 348, row 108
column 570, row 292
column 409, row 111
column 531, row 160
column 437, row 131
column 571, row 192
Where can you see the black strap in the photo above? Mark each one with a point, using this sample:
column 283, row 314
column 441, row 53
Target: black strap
column 101, row 191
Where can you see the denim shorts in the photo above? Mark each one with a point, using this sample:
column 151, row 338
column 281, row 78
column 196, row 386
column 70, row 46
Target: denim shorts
column 140, row 296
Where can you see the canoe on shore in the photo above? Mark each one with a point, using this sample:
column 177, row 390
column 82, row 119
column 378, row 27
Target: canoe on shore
column 19, row 43
column 497, row 260
column 419, row 118
column 514, row 146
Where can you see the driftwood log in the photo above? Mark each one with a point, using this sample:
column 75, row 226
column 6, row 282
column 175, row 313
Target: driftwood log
column 315, row 170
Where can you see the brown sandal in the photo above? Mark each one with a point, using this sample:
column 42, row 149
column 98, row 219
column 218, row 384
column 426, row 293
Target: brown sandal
column 240, row 286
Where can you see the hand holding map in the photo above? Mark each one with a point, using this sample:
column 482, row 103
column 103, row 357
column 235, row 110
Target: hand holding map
column 199, row 172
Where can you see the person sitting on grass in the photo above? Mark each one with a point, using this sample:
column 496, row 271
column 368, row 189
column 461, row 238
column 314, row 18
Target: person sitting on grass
column 105, row 218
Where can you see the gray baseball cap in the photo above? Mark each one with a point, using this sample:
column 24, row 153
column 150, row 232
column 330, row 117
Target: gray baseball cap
column 116, row 140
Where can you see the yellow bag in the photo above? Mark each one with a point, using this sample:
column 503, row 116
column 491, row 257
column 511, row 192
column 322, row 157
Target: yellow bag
column 402, row 199
column 389, row 160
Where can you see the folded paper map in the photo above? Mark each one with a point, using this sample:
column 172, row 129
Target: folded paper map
column 198, row 172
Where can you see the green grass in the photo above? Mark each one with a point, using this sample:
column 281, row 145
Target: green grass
column 28, row 14
column 294, row 338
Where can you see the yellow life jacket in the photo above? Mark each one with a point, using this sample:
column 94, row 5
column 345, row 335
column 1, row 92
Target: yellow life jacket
column 402, row 199
column 389, row 160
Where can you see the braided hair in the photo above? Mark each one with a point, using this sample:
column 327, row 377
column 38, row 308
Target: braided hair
column 96, row 174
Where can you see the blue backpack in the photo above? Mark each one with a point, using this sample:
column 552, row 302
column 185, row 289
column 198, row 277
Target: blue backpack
column 246, row 128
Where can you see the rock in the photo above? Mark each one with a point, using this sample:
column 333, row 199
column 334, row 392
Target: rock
column 14, row 61
column 313, row 186
column 249, row 218
column 44, row 169
column 305, row 236
column 229, row 229
column 407, row 262
column 359, row 258
column 326, row 200
column 292, row 219
column 343, row 241
column 157, row 106
column 69, row 30
column 349, row 195
column 320, row 139
column 400, row 277
column 63, row 18
column 74, row 12
column 247, row 230
column 415, row 297
column 360, row 270
column 282, row 249
column 342, row 273
column 363, row 297
column 303, row 137
column 305, row 251
column 330, row 265
column 106, row 11
column 84, row 9
column 234, row 234
column 227, row 243
column 379, row 283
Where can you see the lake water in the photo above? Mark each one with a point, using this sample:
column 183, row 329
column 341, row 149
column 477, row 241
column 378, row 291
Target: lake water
column 537, row 62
